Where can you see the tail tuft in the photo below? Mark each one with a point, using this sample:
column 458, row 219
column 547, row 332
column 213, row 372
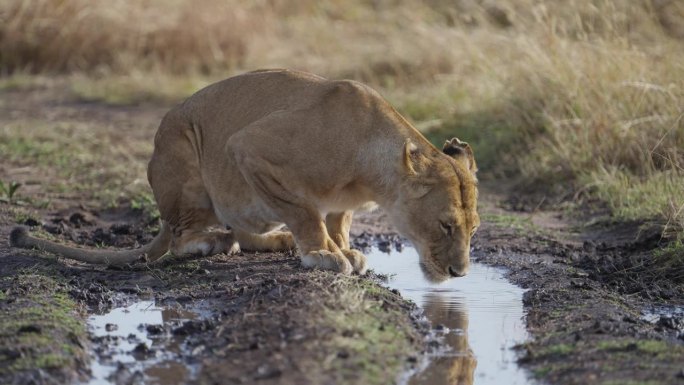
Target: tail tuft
column 18, row 236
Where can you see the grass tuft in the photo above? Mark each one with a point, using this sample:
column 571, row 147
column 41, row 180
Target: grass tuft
column 670, row 260
column 42, row 329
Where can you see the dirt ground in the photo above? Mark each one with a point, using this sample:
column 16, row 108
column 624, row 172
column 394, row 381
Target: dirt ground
column 266, row 320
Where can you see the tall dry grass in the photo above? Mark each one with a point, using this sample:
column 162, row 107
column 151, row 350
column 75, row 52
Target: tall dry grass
column 119, row 35
column 583, row 95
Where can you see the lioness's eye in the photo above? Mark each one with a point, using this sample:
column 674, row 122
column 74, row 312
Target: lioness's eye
column 445, row 227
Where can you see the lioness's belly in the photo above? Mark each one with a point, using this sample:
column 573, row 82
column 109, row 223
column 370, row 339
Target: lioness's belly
column 256, row 217
column 253, row 218
column 246, row 211
column 237, row 205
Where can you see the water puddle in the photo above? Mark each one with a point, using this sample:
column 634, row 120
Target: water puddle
column 480, row 317
column 134, row 344
column 667, row 317
column 654, row 314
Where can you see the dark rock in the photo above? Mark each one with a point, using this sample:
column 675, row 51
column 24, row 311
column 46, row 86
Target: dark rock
column 52, row 229
column 190, row 327
column 79, row 219
column 10, row 354
column 30, row 329
column 142, row 351
column 31, row 222
column 671, row 322
column 102, row 236
column 154, row 329
column 121, row 229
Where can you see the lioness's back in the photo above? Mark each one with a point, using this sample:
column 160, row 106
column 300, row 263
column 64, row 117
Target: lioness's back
column 238, row 101
column 241, row 100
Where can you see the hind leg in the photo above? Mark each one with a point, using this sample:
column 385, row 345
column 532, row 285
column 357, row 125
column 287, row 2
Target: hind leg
column 183, row 202
column 271, row 241
column 189, row 230
column 204, row 243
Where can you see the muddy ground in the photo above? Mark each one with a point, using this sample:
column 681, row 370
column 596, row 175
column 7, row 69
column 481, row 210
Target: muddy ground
column 266, row 320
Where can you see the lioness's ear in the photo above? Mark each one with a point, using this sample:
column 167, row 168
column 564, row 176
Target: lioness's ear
column 410, row 157
column 460, row 151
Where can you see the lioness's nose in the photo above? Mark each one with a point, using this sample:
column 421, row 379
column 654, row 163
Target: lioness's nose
column 457, row 272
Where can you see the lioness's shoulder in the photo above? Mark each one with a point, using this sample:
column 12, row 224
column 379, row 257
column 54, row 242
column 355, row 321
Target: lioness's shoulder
column 352, row 94
column 348, row 87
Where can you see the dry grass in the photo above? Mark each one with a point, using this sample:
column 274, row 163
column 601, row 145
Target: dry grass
column 104, row 36
column 585, row 95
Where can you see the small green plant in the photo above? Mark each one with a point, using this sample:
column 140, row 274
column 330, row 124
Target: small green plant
column 7, row 191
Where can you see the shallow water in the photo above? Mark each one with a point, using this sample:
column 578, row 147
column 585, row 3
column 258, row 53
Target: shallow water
column 667, row 317
column 479, row 315
column 124, row 328
column 656, row 313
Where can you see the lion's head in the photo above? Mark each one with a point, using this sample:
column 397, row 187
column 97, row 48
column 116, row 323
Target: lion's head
column 437, row 206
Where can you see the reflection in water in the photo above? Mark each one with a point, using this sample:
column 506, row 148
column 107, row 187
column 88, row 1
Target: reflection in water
column 122, row 327
column 481, row 315
column 456, row 366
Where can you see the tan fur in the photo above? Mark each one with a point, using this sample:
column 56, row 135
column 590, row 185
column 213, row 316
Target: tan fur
column 276, row 147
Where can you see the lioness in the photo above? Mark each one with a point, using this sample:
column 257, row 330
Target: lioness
column 276, row 147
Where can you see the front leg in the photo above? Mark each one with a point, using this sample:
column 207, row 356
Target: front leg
column 338, row 225
column 317, row 249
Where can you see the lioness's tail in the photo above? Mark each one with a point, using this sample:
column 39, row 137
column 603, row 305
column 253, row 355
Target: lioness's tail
column 20, row 237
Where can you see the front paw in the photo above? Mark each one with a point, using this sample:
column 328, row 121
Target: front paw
column 357, row 260
column 326, row 260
